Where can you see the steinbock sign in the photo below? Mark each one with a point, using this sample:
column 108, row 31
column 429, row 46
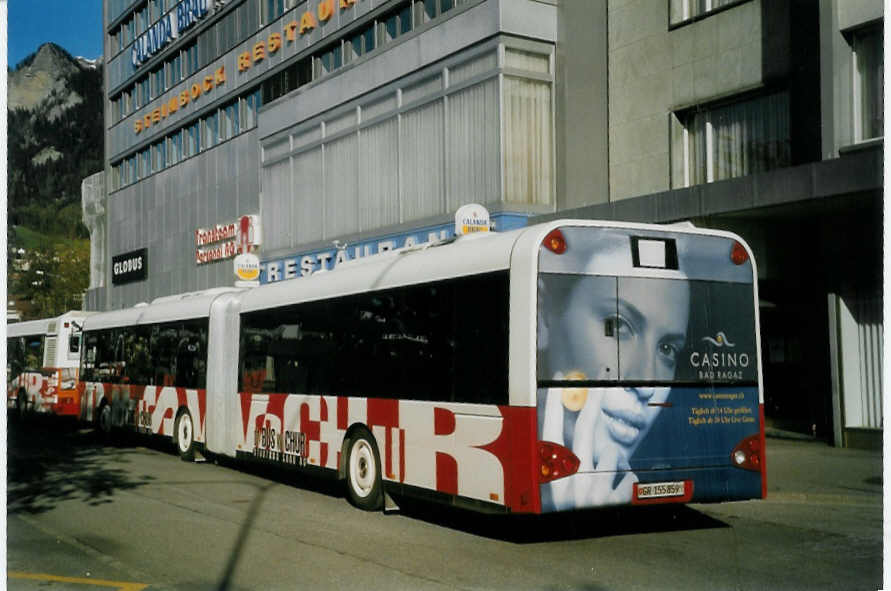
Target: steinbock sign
column 129, row 267
column 225, row 241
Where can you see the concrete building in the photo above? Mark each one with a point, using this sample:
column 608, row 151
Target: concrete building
column 317, row 131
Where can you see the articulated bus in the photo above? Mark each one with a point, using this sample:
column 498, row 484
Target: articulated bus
column 561, row 366
column 42, row 360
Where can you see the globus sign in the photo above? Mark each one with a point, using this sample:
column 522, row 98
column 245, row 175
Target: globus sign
column 225, row 241
column 129, row 266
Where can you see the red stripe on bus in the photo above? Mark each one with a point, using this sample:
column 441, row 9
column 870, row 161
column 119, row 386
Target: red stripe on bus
column 446, row 473
column 245, row 412
column 343, row 408
column 383, row 412
column 515, row 448
column 443, row 421
column 388, row 452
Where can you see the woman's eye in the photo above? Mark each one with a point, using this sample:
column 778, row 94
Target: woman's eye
column 619, row 327
column 668, row 351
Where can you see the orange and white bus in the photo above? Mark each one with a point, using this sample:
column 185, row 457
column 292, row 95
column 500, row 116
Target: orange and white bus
column 565, row 365
column 42, row 361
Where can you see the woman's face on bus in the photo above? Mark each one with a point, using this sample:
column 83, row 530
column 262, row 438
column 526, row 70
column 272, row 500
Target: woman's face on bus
column 634, row 336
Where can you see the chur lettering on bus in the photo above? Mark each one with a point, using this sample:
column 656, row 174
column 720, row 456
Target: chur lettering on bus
column 420, row 444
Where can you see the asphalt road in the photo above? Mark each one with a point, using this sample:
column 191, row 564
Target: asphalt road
column 130, row 516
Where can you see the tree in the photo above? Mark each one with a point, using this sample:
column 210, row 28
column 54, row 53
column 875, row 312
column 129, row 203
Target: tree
column 53, row 278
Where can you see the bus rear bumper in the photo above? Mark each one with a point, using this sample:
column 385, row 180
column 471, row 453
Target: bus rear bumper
column 701, row 485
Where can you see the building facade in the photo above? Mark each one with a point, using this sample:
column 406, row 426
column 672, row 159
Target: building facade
column 314, row 132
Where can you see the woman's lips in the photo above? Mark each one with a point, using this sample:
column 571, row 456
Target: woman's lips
column 624, row 426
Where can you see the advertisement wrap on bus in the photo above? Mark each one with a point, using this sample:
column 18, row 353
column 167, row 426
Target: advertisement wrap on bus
column 648, row 368
column 562, row 366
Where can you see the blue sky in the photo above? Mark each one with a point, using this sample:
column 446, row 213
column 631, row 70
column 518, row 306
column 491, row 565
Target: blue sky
column 75, row 25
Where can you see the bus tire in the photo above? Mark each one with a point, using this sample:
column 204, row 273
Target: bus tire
column 103, row 420
column 184, row 436
column 363, row 472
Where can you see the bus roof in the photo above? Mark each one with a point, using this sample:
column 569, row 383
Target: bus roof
column 468, row 255
column 44, row 325
column 28, row 328
column 165, row 309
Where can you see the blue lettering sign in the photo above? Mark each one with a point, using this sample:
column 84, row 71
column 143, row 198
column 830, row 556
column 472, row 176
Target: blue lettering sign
column 317, row 261
column 188, row 12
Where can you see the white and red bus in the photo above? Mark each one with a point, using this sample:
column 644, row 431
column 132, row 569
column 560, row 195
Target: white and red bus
column 42, row 360
column 565, row 365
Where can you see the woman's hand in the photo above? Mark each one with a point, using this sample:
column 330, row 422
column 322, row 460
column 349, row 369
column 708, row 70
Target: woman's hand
column 587, row 488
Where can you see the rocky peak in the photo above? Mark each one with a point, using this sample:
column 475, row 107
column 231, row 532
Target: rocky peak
column 43, row 74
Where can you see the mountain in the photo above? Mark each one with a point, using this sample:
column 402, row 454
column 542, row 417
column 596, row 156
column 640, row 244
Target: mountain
column 55, row 135
column 43, row 76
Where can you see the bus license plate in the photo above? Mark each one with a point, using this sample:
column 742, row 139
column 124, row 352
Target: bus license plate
column 658, row 490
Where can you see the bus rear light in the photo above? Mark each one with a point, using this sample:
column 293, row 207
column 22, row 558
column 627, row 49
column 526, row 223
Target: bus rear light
column 747, row 454
column 555, row 241
column 739, row 254
column 556, row 461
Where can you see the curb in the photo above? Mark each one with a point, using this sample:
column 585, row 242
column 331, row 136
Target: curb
column 781, row 434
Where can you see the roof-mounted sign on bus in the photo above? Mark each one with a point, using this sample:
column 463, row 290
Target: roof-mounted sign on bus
column 472, row 218
column 247, row 270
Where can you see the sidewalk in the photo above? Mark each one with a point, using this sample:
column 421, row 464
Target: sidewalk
column 813, row 470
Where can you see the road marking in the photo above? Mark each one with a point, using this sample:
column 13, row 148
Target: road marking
column 119, row 585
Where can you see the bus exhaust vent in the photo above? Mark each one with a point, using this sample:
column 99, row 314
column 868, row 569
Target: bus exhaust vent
column 51, row 327
column 49, row 354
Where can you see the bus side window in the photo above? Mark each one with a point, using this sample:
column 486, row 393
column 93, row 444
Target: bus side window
column 191, row 351
column 33, row 352
column 88, row 360
column 74, row 342
column 15, row 356
column 138, row 361
column 164, row 339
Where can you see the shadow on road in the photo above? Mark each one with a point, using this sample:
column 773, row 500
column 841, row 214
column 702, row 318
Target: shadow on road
column 51, row 460
column 575, row 525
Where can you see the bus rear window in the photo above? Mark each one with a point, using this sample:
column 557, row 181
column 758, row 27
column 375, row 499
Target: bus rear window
column 616, row 308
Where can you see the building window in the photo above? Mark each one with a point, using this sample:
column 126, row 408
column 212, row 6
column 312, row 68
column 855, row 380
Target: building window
column 175, row 152
column 330, row 60
column 272, row 9
column 682, row 10
column 868, row 82
column 732, row 140
column 190, row 60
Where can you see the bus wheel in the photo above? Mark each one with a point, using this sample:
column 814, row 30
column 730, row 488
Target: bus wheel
column 104, row 420
column 364, row 472
column 184, row 436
